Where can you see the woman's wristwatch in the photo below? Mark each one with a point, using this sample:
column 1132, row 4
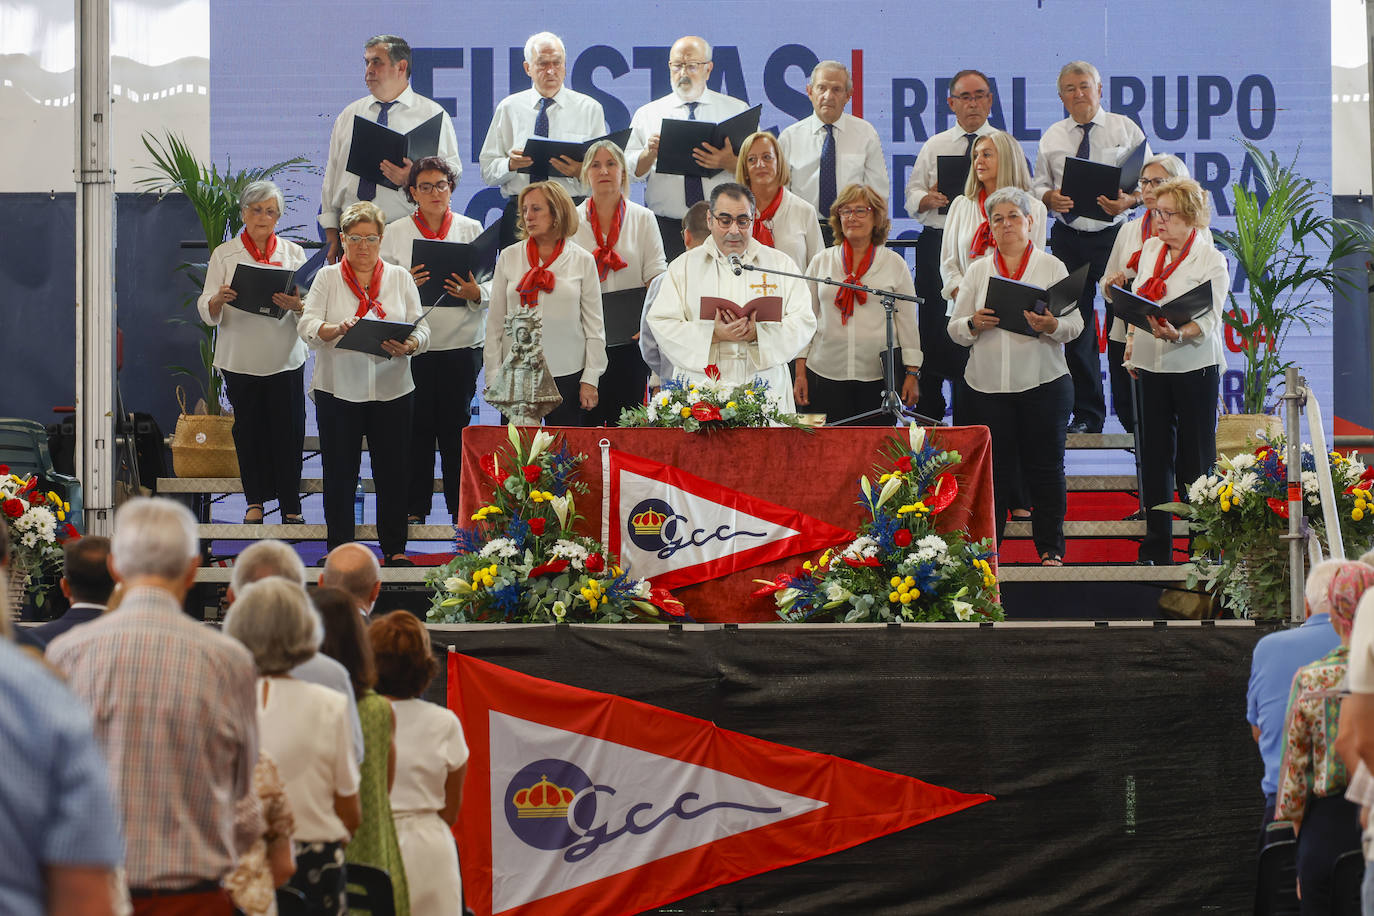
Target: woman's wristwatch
column 972, row 329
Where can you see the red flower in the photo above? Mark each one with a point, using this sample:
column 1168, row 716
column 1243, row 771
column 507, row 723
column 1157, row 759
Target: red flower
column 596, row 563
column 68, row 532
column 941, row 493
column 37, row 499
column 488, row 463
column 537, row 526
column 13, row 507
column 779, row 583
column 663, row 599
column 904, row 463
column 553, row 566
column 859, row 564
column 1278, row 506
column 4, row 469
column 712, row 372
column 703, row 411
column 902, row 537
column 531, row 472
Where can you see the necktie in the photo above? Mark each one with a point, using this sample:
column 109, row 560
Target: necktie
column 972, row 139
column 367, row 190
column 691, row 184
column 1083, row 148
column 541, row 120
column 827, row 176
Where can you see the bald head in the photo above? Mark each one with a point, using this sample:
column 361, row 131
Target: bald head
column 689, row 65
column 353, row 568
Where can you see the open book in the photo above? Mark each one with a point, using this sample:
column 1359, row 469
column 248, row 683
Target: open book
column 1011, row 299
column 762, row 308
column 1179, row 311
column 542, row 150
column 373, row 142
column 476, row 258
column 678, row 138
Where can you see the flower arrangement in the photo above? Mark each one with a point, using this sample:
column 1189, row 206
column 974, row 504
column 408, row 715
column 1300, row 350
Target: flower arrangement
column 522, row 562
column 1238, row 512
column 38, row 528
column 899, row 567
column 712, row 405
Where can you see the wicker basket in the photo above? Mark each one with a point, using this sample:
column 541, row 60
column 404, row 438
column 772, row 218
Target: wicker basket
column 16, row 587
column 203, row 445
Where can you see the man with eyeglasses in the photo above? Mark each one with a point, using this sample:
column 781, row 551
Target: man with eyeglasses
column 547, row 109
column 669, row 196
column 740, row 347
column 1089, row 132
column 970, row 98
column 831, row 149
column 391, row 102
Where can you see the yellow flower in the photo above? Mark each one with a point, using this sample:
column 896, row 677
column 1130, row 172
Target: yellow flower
column 731, row 404
column 685, row 412
column 807, row 566
column 482, row 513
column 893, row 597
column 1357, row 513
column 910, row 580
column 1225, row 505
column 895, row 581
column 749, row 391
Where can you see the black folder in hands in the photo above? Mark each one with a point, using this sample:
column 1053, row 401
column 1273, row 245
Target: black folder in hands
column 1085, row 180
column 476, row 258
column 677, row 139
column 367, row 335
column 951, row 174
column 372, row 142
column 622, row 311
column 255, row 285
column 1182, row 309
column 1130, row 168
column 1011, row 299
column 543, row 150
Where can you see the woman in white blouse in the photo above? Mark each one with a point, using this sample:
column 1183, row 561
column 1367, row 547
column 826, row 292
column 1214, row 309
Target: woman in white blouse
column 261, row 358
column 445, row 375
column 431, row 763
column 624, row 240
column 840, row 373
column 306, row 730
column 550, row 272
column 1178, row 368
column 358, row 394
column 784, row 221
column 1019, row 386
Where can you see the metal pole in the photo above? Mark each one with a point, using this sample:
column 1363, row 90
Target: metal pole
column 95, row 306
column 1294, row 395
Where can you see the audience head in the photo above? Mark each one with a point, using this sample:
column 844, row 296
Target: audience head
column 545, row 211
column 405, row 662
column 546, row 63
column 1348, row 584
column 1080, row 89
column 696, row 224
column 386, row 62
column 601, row 160
column 689, row 66
column 345, row 637
column 86, row 570
column 761, row 163
column 262, row 559
column 1315, row 592
column 274, row 619
column 354, row 569
column 970, row 98
column 852, row 200
column 829, row 88
column 155, row 539
column 731, row 202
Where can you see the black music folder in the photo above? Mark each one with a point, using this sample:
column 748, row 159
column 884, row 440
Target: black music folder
column 476, row 258
column 678, row 138
column 623, row 311
column 542, row 150
column 255, row 285
column 1084, row 180
column 951, row 174
column 1011, row 299
column 367, row 335
column 373, row 142
column 1178, row 312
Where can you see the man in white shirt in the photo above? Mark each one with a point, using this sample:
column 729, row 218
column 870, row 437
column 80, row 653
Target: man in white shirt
column 831, row 149
column 1089, row 132
column 394, row 104
column 353, row 568
column 547, row 109
column 739, row 347
column 669, row 196
column 696, row 229
column 970, row 98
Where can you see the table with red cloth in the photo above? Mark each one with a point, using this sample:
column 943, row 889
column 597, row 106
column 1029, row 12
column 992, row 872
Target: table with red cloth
column 812, row 471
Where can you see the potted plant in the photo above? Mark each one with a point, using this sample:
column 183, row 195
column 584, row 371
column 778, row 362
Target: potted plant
column 1288, row 246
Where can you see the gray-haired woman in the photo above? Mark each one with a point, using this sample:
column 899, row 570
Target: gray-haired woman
column 261, row 358
column 306, row 730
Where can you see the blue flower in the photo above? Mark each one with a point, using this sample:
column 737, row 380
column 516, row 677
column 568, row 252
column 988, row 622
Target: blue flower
column 505, row 599
column 563, row 467
column 517, row 529
column 467, row 540
column 882, row 529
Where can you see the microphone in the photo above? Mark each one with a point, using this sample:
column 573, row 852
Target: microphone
column 736, row 265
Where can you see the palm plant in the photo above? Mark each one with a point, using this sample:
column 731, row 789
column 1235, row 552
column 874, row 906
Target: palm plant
column 215, row 197
column 1288, row 247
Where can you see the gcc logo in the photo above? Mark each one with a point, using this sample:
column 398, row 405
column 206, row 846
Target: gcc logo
column 648, row 521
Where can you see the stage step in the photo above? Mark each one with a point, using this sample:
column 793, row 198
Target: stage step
column 1101, row 483
column 1100, row 440
column 235, row 485
column 235, row 532
column 1095, row 529
column 1163, row 575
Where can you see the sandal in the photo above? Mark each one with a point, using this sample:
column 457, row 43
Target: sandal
column 293, row 519
column 247, row 519
column 1051, row 559
column 1020, row 515
column 398, row 560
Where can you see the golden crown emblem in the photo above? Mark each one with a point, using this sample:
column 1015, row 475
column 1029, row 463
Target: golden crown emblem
column 543, row 799
column 649, row 521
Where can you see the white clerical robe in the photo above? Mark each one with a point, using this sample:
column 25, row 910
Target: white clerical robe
column 685, row 339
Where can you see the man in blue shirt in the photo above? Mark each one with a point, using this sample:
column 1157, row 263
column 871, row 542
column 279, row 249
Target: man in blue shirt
column 60, row 837
column 1277, row 658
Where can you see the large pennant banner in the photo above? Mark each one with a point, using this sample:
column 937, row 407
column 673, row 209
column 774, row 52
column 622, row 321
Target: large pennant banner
column 679, row 529
column 585, row 802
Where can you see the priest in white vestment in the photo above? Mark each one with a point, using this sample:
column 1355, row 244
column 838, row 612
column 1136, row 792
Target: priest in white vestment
column 740, row 348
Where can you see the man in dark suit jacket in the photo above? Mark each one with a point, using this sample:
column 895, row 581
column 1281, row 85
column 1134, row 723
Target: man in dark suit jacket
column 87, row 583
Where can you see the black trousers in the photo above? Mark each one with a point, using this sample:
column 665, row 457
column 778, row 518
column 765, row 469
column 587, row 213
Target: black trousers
column 944, row 360
column 840, row 399
column 269, row 435
column 386, row 424
column 1330, row 826
column 670, row 228
column 622, row 385
column 1123, row 398
column 445, row 382
column 570, row 412
column 1028, row 430
column 1178, row 444
column 1082, row 354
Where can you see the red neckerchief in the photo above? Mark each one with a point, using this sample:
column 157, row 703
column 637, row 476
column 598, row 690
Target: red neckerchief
column 1146, row 233
column 1154, row 288
column 762, row 231
column 982, row 238
column 846, row 298
column 607, row 259
column 262, row 257
column 538, row 278
column 423, row 226
column 1001, row 265
column 367, row 299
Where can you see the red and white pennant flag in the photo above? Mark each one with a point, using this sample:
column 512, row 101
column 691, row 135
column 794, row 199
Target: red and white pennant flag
column 678, row 529
column 585, row 802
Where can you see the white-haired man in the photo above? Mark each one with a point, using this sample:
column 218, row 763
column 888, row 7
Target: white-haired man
column 831, row 148
column 172, row 703
column 547, row 109
column 390, row 102
column 669, row 196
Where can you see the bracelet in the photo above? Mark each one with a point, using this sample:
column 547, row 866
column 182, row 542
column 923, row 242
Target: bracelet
column 913, row 372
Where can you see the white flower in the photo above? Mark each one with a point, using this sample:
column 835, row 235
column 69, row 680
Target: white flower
column 452, row 583
column 574, row 553
column 787, row 596
column 503, row 548
column 642, row 588
column 560, row 610
column 1197, row 491
column 860, row 548
column 1242, row 461
column 29, row 540
column 963, row 610
column 1310, row 484
column 836, row 592
column 1244, row 484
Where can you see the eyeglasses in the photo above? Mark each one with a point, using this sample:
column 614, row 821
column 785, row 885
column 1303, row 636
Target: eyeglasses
column 1166, row 215
column 855, row 212
column 766, row 159
column 966, row 97
column 270, row 212
column 1152, row 182
column 547, row 65
column 429, row 187
column 725, row 220
column 359, row 239
column 690, row 66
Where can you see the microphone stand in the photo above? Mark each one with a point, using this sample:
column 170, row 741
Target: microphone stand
column 892, row 406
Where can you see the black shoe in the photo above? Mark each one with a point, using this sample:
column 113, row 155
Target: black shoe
column 1136, row 516
column 1078, row 426
column 293, row 519
column 1144, row 562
